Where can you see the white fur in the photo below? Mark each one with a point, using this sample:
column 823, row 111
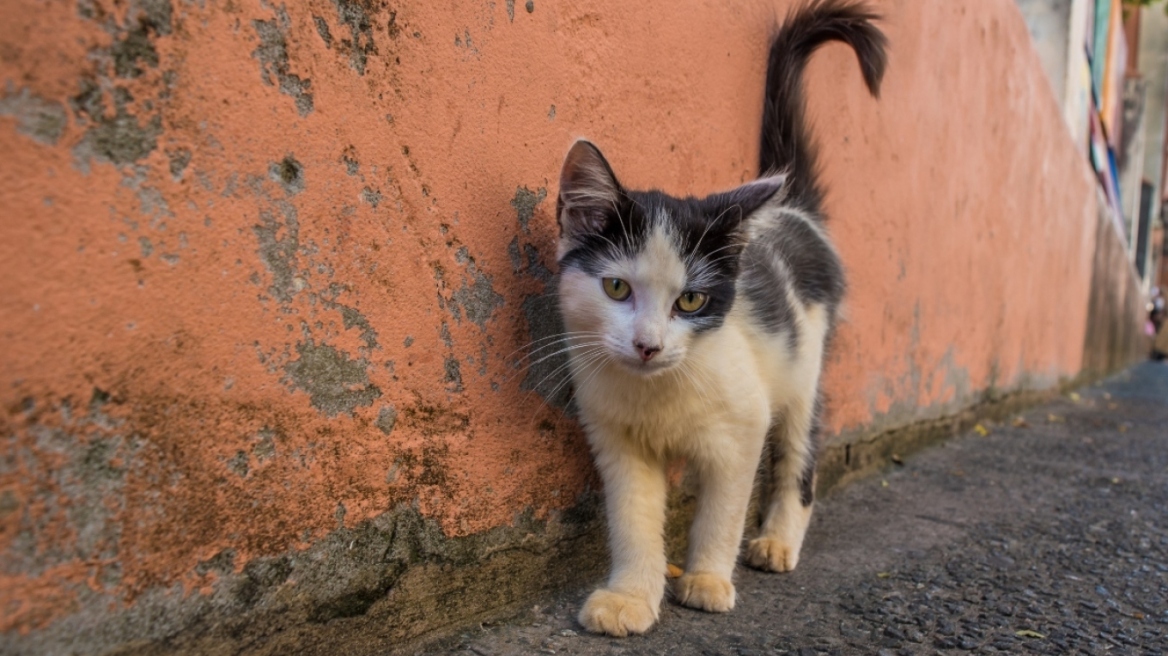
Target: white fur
column 709, row 398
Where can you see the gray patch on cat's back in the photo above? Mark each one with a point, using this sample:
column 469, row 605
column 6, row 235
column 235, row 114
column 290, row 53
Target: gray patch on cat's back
column 336, row 384
column 764, row 281
column 525, row 202
column 547, row 370
column 815, row 269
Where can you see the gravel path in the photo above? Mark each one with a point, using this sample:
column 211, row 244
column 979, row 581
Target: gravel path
column 1047, row 535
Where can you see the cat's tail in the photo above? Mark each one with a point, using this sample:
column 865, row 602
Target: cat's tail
column 786, row 143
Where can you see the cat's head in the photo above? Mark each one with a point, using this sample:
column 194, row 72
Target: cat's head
column 644, row 274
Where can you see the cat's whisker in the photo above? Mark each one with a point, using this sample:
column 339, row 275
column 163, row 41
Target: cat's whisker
column 567, row 349
column 590, row 359
column 558, row 341
column 563, row 335
column 590, row 345
column 553, row 345
column 566, row 365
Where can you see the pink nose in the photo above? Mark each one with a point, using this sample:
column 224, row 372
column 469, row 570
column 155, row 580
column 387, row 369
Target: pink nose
column 646, row 352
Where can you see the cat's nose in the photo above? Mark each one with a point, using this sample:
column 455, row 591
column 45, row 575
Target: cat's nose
column 646, row 352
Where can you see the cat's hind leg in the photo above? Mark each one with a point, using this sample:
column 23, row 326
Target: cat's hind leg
column 792, row 490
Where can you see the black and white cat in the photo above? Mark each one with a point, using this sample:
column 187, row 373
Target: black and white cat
column 696, row 328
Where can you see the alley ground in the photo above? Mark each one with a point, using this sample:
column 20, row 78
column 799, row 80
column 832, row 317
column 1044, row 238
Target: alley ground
column 1048, row 534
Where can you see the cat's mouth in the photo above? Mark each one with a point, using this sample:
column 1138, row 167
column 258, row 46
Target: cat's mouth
column 646, row 369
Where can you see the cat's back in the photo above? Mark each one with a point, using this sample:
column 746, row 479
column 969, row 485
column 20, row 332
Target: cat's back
column 788, row 266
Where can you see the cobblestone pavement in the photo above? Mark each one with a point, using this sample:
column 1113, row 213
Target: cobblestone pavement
column 1047, row 535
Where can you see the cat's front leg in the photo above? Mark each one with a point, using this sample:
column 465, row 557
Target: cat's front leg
column 634, row 496
column 714, row 538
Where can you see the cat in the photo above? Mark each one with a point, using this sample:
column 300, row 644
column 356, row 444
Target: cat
column 696, row 329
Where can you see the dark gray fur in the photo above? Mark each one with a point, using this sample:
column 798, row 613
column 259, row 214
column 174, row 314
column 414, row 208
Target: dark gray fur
column 786, row 143
column 807, row 479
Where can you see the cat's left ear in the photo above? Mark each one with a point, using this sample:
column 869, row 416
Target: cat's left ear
column 735, row 207
column 589, row 194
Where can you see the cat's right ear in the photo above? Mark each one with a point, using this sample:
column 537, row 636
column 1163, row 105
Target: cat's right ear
column 589, row 194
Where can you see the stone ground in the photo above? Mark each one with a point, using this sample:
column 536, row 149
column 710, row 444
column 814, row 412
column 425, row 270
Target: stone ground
column 1048, row 535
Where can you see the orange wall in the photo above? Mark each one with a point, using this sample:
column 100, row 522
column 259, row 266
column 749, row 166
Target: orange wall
column 228, row 257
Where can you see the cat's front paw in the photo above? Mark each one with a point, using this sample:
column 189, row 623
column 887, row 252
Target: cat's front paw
column 616, row 614
column 708, row 592
column 772, row 555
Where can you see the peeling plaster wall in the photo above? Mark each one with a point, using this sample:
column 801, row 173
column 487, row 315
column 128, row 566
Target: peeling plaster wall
column 267, row 272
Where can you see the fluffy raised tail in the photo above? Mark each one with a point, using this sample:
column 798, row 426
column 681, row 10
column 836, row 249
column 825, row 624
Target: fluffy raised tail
column 786, row 143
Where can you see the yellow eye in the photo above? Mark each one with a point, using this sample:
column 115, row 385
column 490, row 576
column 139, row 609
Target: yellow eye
column 617, row 289
column 691, row 302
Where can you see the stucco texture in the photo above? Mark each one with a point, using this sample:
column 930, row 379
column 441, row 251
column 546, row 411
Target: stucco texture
column 268, row 271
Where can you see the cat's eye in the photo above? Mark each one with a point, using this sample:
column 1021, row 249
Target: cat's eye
column 691, row 301
column 617, row 289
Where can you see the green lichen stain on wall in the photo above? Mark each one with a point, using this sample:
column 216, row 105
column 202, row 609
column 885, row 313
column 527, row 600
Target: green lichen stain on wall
column 525, row 202
column 275, row 70
column 336, row 383
column 36, row 117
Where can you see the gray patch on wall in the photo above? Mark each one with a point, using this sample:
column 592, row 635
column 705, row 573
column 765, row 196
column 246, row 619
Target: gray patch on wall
column 279, row 243
column 525, row 202
column 386, row 419
column 479, row 299
column 179, row 158
column 272, row 54
column 360, row 44
column 85, row 458
column 120, row 139
column 453, row 374
column 513, row 253
column 322, row 28
column 134, row 44
column 351, row 317
column 535, row 267
column 371, row 196
column 36, row 117
column 335, row 383
column 289, row 173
